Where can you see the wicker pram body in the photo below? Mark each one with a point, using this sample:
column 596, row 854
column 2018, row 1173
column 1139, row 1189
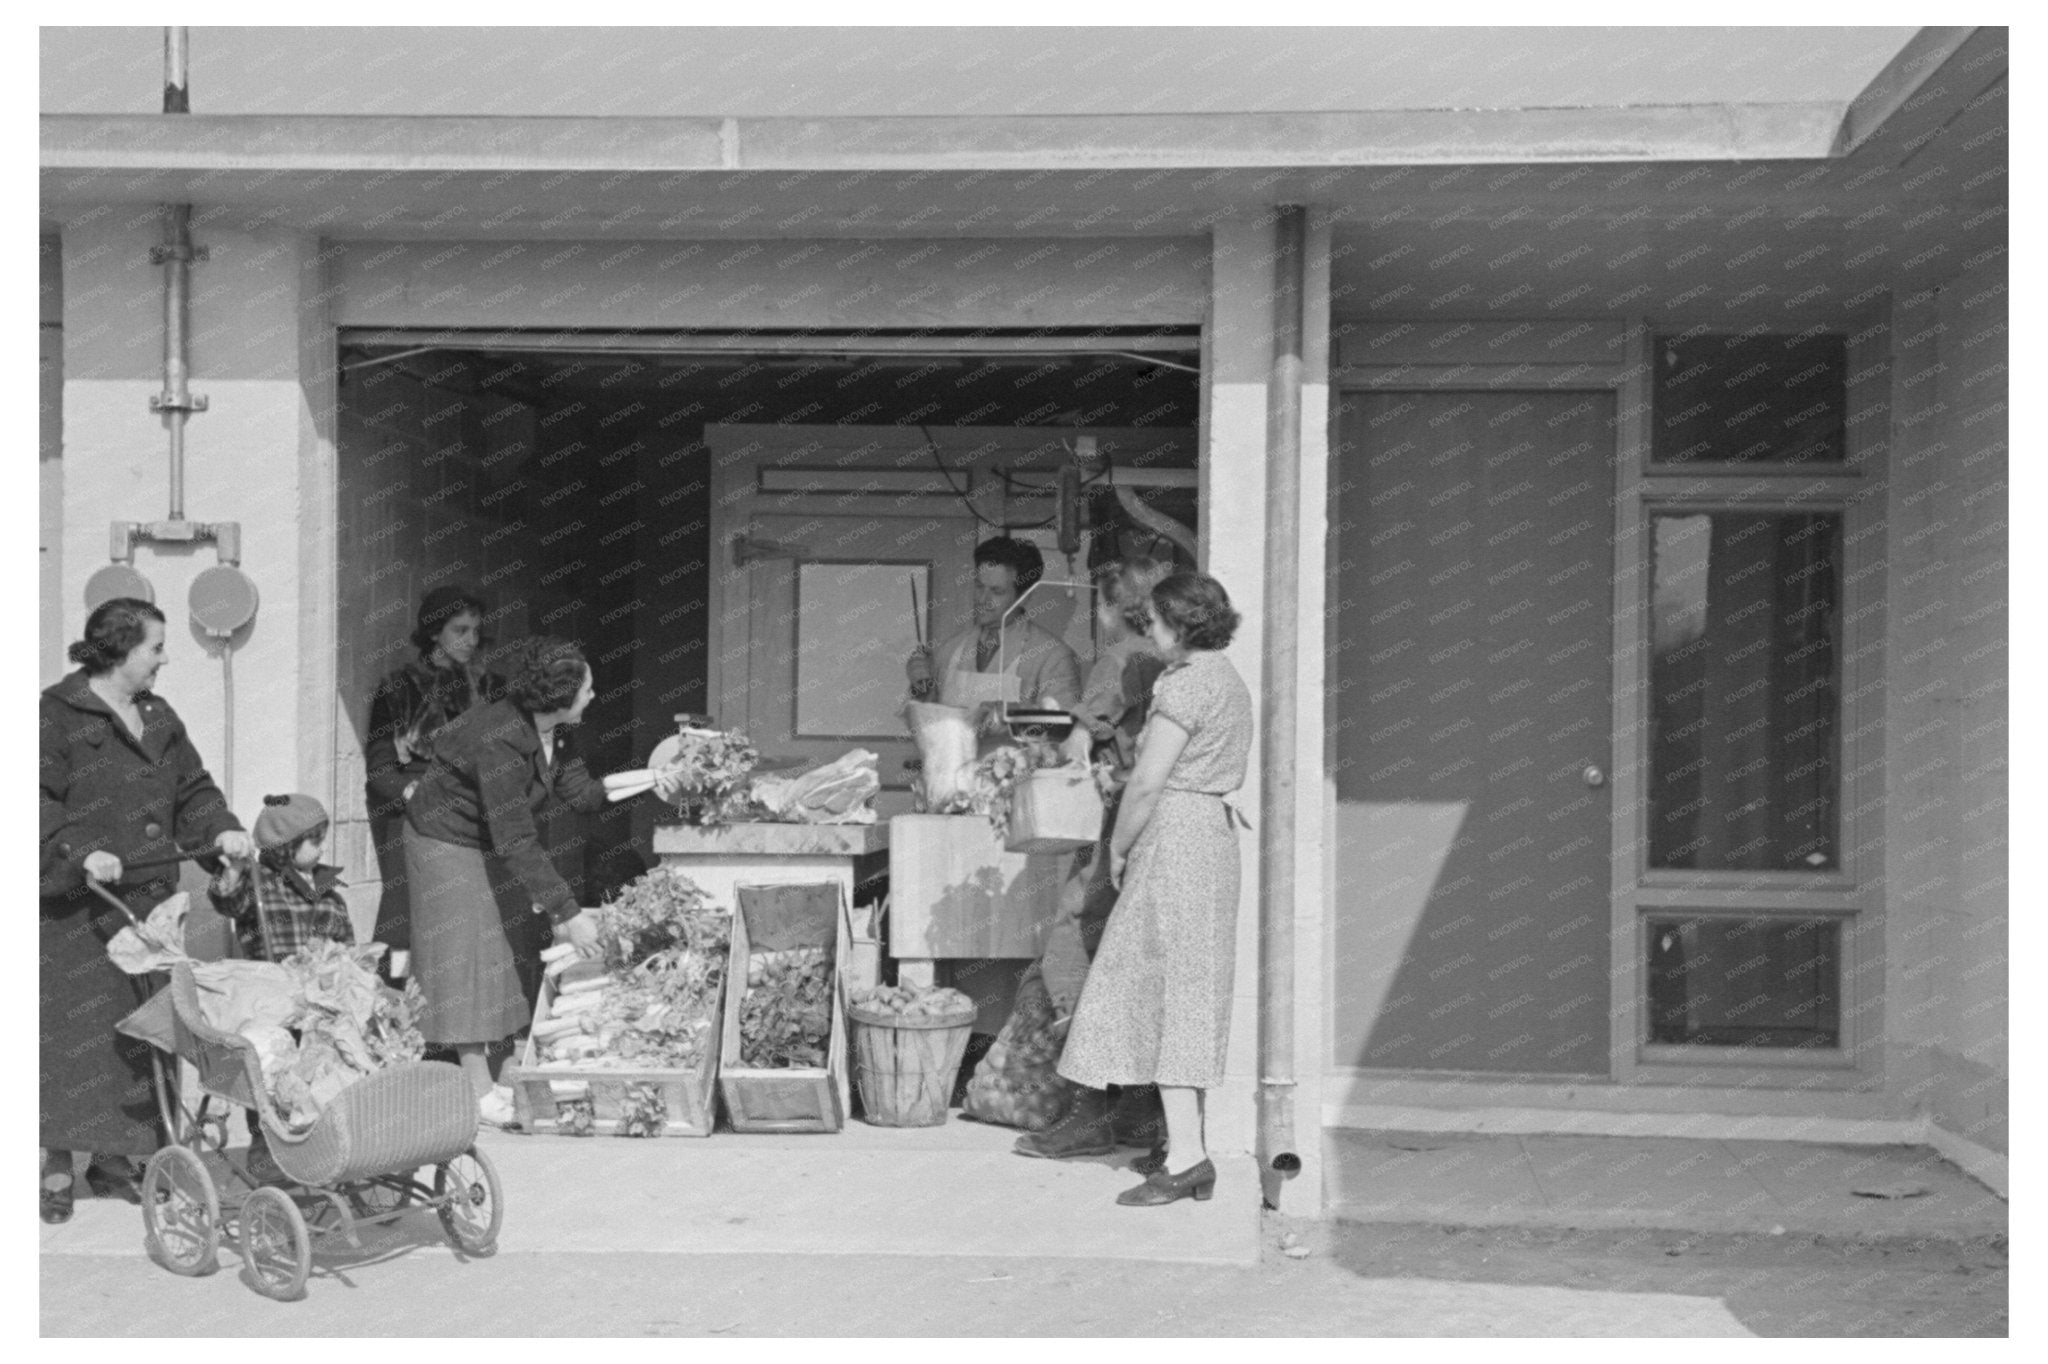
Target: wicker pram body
column 401, row 1118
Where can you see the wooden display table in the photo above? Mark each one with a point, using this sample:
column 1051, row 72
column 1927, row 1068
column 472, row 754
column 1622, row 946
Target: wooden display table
column 955, row 893
column 723, row 858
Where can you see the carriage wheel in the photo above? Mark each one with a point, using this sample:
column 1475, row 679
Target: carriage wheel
column 275, row 1244
column 471, row 1202
column 180, row 1213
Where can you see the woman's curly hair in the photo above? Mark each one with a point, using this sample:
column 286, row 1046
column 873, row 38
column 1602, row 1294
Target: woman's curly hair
column 1197, row 609
column 112, row 632
column 1128, row 585
column 544, row 673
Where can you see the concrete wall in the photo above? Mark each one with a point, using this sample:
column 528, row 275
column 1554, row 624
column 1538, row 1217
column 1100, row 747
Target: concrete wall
column 1946, row 704
column 948, row 282
column 814, row 72
column 51, row 613
column 257, row 456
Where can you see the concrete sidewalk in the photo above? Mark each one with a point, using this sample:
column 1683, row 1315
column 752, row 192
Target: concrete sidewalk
column 953, row 1190
column 1683, row 1184
column 958, row 1191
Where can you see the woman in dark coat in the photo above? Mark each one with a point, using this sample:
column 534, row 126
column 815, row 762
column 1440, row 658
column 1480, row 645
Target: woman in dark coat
column 475, row 861
column 410, row 707
column 121, row 785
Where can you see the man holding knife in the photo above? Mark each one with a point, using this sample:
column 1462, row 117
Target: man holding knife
column 989, row 663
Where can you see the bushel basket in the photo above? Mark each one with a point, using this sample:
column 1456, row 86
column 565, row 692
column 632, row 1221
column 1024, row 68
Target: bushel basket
column 905, row 1067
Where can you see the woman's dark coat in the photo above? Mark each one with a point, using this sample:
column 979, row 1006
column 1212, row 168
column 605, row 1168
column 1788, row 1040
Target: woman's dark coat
column 410, row 707
column 105, row 791
column 490, row 787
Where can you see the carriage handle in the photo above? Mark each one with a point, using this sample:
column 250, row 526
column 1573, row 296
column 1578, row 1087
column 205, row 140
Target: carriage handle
column 180, row 855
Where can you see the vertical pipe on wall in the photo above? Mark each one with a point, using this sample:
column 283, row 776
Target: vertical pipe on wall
column 177, row 95
column 176, row 401
column 1276, row 1155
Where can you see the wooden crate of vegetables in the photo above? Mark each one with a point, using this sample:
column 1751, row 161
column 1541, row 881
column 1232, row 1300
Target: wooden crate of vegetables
column 783, row 1062
column 628, row 1045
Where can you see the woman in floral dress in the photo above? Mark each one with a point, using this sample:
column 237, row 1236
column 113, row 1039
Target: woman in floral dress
column 1156, row 1006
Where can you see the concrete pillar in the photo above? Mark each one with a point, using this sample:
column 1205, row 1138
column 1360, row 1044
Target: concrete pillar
column 1946, row 767
column 1315, row 790
column 260, row 455
column 1237, row 355
column 1238, row 359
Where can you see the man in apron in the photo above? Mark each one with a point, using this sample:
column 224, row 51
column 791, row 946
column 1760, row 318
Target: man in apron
column 978, row 670
column 987, row 663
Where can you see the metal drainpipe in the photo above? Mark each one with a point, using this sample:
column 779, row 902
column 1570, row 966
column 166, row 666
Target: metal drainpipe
column 177, row 96
column 176, row 401
column 1276, row 1154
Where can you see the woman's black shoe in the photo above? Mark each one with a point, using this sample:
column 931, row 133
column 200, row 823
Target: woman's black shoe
column 121, row 1184
column 1151, row 1163
column 1197, row 1182
column 56, row 1203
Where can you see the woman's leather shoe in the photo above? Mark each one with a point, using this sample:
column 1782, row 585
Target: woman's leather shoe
column 56, row 1203
column 1151, row 1163
column 119, row 1184
column 1197, row 1182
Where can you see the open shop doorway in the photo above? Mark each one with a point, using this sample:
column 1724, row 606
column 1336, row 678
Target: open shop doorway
column 572, row 481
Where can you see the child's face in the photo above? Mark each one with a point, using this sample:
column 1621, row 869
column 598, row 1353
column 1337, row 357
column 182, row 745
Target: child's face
column 307, row 854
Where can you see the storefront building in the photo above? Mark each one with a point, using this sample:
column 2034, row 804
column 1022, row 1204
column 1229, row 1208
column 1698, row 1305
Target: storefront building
column 1622, row 551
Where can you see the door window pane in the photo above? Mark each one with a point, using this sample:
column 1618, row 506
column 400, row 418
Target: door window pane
column 1750, row 400
column 1744, row 708
column 1731, row 982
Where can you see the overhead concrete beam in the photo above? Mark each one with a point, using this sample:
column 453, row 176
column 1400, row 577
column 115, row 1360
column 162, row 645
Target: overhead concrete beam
column 235, row 142
column 1901, row 80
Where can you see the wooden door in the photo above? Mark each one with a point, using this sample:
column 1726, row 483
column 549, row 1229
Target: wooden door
column 828, row 625
column 1472, row 659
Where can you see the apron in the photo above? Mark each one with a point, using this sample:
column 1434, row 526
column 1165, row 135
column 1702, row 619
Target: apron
column 963, row 685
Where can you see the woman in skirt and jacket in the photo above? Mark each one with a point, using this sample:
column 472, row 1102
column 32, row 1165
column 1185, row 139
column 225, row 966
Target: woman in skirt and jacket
column 410, row 707
column 476, row 863
column 121, row 787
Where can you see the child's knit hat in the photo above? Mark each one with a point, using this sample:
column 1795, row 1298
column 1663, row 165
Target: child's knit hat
column 286, row 819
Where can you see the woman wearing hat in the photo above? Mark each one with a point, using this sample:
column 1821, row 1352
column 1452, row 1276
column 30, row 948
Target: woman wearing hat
column 123, row 791
column 409, row 709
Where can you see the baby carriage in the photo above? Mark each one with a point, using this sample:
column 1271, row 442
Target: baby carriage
column 396, row 1142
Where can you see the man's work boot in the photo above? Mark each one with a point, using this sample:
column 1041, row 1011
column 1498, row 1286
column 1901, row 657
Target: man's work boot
column 1137, row 1118
column 1085, row 1131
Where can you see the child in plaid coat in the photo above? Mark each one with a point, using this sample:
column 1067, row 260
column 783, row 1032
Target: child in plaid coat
column 285, row 901
column 293, row 898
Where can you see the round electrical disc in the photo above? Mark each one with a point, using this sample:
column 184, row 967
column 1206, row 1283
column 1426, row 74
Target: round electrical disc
column 116, row 580
column 223, row 600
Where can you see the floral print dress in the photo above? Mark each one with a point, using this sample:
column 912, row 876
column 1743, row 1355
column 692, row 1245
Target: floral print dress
column 1156, row 1006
